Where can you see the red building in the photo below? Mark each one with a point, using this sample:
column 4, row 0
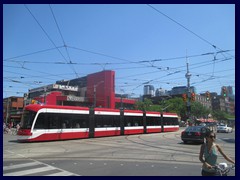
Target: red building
column 97, row 90
column 100, row 88
column 12, row 109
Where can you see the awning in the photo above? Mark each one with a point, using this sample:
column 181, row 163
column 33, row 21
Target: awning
column 206, row 120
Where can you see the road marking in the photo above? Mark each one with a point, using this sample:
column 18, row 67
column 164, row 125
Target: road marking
column 28, row 168
column 29, row 171
column 19, row 165
column 63, row 174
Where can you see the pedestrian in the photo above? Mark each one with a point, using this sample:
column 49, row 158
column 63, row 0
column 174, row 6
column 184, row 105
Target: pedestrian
column 4, row 126
column 209, row 153
column 10, row 125
column 17, row 127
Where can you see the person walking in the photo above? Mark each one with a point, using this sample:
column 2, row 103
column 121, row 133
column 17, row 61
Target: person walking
column 209, row 153
column 17, row 127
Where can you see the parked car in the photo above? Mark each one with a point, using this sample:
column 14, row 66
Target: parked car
column 224, row 128
column 202, row 124
column 194, row 134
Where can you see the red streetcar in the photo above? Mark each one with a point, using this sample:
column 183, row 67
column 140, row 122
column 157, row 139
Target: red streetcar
column 51, row 122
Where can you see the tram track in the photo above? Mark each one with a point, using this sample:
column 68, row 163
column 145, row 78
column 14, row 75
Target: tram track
column 142, row 147
column 162, row 152
column 166, row 147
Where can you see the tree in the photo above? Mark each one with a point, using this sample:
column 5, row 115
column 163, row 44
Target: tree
column 145, row 105
column 198, row 110
column 175, row 105
column 219, row 115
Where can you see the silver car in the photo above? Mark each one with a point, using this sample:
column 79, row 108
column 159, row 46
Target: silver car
column 224, row 128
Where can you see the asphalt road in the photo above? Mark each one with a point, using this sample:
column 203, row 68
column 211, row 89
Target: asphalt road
column 161, row 154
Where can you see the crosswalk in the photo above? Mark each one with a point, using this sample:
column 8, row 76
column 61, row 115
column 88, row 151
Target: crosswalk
column 32, row 168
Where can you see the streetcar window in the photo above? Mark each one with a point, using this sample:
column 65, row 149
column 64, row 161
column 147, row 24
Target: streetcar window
column 40, row 122
column 153, row 121
column 107, row 121
column 27, row 119
column 170, row 121
column 61, row 120
column 73, row 120
column 133, row 121
column 66, row 120
column 53, row 121
column 80, row 121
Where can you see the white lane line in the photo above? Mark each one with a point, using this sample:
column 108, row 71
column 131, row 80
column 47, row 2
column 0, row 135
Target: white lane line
column 65, row 173
column 20, row 165
column 36, row 162
column 29, row 171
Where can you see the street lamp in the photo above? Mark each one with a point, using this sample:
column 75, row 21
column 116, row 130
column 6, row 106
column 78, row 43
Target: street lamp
column 8, row 102
column 163, row 109
column 94, row 91
column 121, row 98
column 45, row 94
column 162, row 125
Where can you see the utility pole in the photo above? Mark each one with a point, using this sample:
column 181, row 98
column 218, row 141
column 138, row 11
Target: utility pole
column 45, row 94
column 94, row 95
column 121, row 102
column 162, row 125
column 188, row 76
column 7, row 115
column 8, row 102
column 121, row 106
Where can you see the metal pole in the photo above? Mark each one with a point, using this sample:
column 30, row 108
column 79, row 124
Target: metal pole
column 188, row 75
column 162, row 125
column 122, row 91
column 121, row 102
column 94, row 96
column 7, row 116
column 45, row 94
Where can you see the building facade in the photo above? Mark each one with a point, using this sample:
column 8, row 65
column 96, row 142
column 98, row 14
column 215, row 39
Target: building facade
column 12, row 109
column 96, row 90
column 179, row 90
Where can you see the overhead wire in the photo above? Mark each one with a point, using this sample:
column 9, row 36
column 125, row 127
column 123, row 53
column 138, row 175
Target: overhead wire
column 64, row 44
column 195, row 34
column 175, row 68
column 33, row 53
column 45, row 32
column 102, row 54
column 115, row 63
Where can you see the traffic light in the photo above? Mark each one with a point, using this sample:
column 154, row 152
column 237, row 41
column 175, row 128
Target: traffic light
column 207, row 95
column 184, row 96
column 193, row 97
column 224, row 92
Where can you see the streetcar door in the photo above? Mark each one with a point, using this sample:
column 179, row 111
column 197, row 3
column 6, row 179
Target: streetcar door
column 162, row 123
column 91, row 123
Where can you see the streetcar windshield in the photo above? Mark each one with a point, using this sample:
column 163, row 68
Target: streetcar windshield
column 27, row 119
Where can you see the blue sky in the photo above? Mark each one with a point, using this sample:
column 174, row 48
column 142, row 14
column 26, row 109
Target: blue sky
column 143, row 44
